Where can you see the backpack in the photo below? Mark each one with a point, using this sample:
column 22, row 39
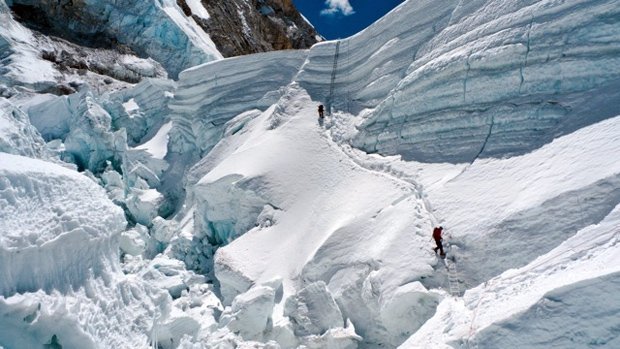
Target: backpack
column 437, row 233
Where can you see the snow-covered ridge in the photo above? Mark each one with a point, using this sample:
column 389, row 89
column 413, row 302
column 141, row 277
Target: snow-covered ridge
column 280, row 176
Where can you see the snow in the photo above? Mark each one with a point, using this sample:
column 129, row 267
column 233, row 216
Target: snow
column 158, row 145
column 331, row 235
column 17, row 135
column 143, row 204
column 198, row 9
column 70, row 210
column 23, row 65
column 254, row 224
column 313, row 310
column 27, row 181
column 131, row 106
column 250, row 313
column 541, row 294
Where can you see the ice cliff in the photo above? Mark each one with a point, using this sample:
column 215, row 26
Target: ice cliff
column 546, row 65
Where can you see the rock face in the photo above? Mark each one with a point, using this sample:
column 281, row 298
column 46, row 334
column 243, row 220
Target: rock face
column 241, row 27
column 177, row 35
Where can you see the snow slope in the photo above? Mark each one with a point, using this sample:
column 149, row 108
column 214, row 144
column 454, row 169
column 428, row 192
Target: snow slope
column 563, row 299
column 548, row 195
column 17, row 135
column 282, row 173
column 24, row 64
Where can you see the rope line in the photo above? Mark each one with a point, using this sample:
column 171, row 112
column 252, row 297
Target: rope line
column 332, row 84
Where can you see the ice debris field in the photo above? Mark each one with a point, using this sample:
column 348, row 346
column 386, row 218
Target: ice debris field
column 213, row 209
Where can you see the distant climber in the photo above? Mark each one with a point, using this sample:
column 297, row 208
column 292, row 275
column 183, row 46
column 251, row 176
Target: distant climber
column 321, row 111
column 437, row 236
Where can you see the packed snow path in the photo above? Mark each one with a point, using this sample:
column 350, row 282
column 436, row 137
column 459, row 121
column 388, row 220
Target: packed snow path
column 310, row 228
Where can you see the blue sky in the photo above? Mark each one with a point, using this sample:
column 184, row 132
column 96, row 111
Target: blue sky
column 342, row 18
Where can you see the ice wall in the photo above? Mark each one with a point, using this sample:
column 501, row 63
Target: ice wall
column 372, row 62
column 141, row 110
column 209, row 95
column 570, row 316
column 502, row 79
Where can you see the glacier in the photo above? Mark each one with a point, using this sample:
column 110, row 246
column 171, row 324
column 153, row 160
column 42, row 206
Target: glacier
column 207, row 206
column 552, row 68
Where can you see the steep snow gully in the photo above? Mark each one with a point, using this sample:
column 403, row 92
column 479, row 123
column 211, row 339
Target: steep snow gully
column 247, row 223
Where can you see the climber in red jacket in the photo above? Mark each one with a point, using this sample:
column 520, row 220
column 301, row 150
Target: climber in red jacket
column 437, row 236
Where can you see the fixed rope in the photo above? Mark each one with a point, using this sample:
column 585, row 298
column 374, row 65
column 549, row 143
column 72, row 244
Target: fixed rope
column 333, row 79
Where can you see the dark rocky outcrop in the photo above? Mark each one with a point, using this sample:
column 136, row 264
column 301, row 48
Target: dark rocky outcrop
column 240, row 27
column 68, row 20
column 144, row 29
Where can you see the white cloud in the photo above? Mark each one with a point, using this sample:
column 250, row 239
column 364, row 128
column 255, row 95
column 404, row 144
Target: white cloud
column 335, row 6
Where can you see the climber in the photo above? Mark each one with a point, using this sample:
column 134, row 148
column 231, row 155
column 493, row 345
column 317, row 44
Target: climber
column 437, row 236
column 321, row 114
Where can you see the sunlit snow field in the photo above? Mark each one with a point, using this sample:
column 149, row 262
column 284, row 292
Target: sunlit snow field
column 215, row 210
